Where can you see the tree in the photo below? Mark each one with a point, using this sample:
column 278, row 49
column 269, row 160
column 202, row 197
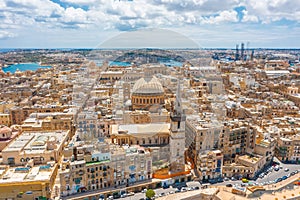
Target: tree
column 150, row 193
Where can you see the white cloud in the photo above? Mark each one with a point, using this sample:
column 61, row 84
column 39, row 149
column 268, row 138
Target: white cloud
column 5, row 35
column 249, row 18
column 225, row 16
column 123, row 15
column 269, row 11
column 80, row 2
column 126, row 15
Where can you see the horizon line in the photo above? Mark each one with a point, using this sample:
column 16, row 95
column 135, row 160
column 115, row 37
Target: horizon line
column 152, row 48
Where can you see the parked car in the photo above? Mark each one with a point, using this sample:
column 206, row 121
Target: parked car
column 130, row 194
column 144, row 190
column 226, row 179
column 162, row 194
column 229, row 185
column 244, row 180
column 183, row 189
column 220, row 180
column 261, row 175
column 286, row 169
column 278, row 180
column 233, row 179
column 177, row 190
column 284, row 177
column 293, row 173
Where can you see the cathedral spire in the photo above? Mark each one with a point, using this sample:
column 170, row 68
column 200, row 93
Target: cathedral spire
column 178, row 103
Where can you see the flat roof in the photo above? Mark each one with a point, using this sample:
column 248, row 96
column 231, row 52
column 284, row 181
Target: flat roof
column 21, row 174
column 141, row 129
column 34, row 142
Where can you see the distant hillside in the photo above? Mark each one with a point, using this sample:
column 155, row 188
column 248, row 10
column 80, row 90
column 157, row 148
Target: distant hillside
column 142, row 56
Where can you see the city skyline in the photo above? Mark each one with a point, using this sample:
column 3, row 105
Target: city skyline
column 89, row 24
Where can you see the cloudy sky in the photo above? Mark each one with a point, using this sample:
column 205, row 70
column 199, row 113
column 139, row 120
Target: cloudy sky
column 91, row 23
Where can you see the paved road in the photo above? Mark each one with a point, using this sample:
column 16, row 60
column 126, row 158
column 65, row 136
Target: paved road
column 140, row 195
column 158, row 191
column 278, row 174
column 271, row 176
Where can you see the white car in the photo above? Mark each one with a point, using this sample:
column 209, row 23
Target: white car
column 130, row 194
column 144, row 190
column 286, row 169
column 183, row 189
column 124, row 195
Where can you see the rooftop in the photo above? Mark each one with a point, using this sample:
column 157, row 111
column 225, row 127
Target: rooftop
column 20, row 174
column 35, row 142
column 141, row 129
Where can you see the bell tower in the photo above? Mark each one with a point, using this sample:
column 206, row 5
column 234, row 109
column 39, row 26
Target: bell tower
column 177, row 135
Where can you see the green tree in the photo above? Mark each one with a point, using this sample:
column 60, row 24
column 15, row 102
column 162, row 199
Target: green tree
column 150, row 194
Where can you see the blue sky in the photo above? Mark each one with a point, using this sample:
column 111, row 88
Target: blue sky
column 90, row 23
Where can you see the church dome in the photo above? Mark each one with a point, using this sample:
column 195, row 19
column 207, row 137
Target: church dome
column 149, row 86
column 5, row 130
column 5, row 133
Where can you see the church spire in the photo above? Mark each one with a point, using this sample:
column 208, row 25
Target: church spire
column 178, row 103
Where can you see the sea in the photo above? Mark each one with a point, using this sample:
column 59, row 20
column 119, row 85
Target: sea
column 23, row 67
